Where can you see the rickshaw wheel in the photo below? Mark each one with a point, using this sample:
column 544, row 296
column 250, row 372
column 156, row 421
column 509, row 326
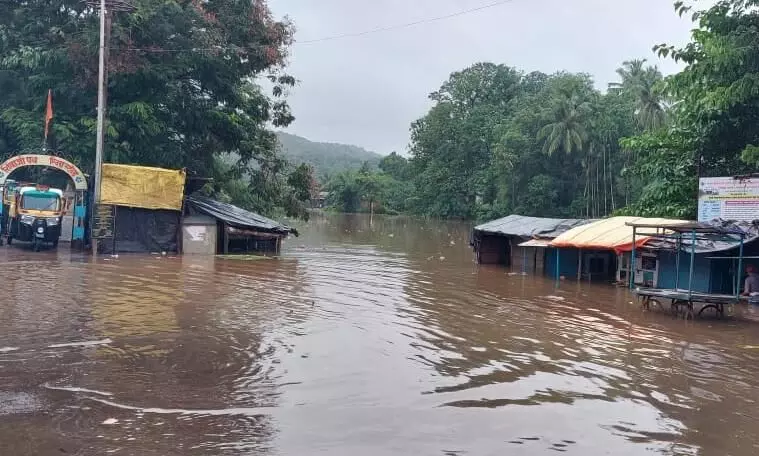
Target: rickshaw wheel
column 36, row 246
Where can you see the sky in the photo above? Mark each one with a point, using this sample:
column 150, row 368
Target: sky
column 366, row 90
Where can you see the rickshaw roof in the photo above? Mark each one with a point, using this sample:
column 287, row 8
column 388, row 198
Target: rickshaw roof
column 34, row 191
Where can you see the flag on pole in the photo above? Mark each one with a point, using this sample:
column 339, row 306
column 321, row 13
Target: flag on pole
column 48, row 112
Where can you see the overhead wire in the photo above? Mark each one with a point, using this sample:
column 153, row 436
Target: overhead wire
column 343, row 35
column 407, row 24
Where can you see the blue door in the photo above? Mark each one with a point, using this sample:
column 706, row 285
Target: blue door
column 80, row 212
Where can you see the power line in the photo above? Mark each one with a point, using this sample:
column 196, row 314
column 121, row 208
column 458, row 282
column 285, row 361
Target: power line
column 337, row 37
column 406, row 25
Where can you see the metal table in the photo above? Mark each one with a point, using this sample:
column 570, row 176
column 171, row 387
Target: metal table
column 682, row 301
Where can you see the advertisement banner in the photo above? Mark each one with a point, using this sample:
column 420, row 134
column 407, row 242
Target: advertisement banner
column 728, row 198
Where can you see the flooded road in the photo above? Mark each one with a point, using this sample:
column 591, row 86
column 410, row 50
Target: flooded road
column 370, row 340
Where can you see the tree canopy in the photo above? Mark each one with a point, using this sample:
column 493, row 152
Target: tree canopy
column 181, row 90
column 499, row 140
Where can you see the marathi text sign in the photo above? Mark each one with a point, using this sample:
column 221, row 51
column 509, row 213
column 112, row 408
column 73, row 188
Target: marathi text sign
column 728, row 198
column 103, row 225
column 21, row 161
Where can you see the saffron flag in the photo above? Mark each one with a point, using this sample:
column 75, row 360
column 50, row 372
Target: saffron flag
column 48, row 112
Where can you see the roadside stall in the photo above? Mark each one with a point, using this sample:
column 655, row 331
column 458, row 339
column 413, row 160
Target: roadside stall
column 686, row 238
column 140, row 210
column 601, row 250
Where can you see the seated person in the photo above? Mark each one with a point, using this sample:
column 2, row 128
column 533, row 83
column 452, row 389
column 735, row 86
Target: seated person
column 751, row 287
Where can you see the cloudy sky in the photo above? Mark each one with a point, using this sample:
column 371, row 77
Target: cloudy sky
column 366, row 90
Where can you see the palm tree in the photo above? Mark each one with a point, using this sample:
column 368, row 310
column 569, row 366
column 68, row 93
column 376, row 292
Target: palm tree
column 631, row 73
column 641, row 82
column 567, row 131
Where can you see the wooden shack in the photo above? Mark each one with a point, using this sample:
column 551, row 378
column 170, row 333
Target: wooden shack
column 240, row 231
column 518, row 241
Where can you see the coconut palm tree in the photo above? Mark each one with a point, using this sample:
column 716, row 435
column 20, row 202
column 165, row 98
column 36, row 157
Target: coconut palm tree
column 567, row 132
column 631, row 74
column 641, row 82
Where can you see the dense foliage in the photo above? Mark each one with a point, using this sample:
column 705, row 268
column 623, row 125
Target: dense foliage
column 713, row 129
column 499, row 140
column 365, row 190
column 180, row 89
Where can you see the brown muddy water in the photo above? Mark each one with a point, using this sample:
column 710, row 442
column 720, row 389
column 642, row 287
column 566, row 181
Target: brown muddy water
column 360, row 340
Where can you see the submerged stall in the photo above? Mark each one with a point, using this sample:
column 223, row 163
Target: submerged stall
column 140, row 209
column 237, row 231
column 683, row 296
column 601, row 250
column 518, row 241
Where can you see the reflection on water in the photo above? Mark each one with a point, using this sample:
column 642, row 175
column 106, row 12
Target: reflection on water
column 373, row 339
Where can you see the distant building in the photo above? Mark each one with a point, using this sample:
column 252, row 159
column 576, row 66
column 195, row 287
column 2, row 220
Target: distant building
column 319, row 200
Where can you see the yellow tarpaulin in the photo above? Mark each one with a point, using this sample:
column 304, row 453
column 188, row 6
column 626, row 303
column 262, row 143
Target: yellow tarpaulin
column 143, row 187
column 609, row 234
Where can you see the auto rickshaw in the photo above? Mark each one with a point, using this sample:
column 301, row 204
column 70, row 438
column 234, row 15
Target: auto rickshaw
column 34, row 215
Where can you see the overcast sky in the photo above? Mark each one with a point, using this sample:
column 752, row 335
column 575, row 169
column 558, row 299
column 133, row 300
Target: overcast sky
column 367, row 90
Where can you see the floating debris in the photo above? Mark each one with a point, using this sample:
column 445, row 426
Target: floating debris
column 86, row 343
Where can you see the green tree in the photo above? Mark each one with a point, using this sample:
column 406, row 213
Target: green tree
column 345, row 192
column 717, row 100
column 452, row 146
column 567, row 131
column 643, row 84
column 396, row 166
column 549, row 145
column 180, row 91
column 665, row 163
column 714, row 116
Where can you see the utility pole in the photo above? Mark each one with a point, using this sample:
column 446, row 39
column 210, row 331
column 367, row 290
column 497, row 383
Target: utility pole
column 105, row 38
column 101, row 119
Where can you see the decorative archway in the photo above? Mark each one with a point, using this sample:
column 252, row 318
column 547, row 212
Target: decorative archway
column 22, row 161
column 76, row 175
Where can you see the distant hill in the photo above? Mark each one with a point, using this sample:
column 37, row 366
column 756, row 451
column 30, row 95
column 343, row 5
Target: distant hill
column 326, row 158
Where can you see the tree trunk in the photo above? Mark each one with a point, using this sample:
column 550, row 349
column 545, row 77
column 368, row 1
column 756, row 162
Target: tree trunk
column 589, row 192
column 606, row 195
column 598, row 193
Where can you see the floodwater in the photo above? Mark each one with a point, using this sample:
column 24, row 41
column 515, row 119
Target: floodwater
column 361, row 340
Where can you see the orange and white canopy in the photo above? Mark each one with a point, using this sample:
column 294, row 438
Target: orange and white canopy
column 610, row 234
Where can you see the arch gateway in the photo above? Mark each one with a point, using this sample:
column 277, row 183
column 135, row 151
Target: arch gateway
column 79, row 209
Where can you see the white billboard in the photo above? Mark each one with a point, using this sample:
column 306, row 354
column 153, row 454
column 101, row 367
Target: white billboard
column 728, row 198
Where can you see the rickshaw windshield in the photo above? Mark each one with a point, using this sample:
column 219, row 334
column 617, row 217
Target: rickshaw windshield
column 40, row 202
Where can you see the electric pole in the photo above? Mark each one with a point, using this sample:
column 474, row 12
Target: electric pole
column 106, row 6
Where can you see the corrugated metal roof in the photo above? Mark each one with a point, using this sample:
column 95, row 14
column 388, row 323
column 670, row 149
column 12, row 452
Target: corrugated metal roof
column 235, row 216
column 528, row 227
column 715, row 242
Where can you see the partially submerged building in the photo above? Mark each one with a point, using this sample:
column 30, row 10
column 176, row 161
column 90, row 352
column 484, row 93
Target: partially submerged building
column 144, row 210
column 140, row 209
column 600, row 250
column 718, row 260
column 519, row 241
column 227, row 229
